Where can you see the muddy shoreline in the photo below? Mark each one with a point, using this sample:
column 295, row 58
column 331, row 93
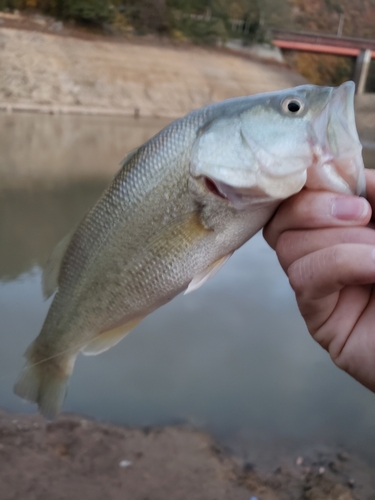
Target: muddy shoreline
column 75, row 457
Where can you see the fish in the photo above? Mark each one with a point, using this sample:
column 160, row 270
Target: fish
column 177, row 209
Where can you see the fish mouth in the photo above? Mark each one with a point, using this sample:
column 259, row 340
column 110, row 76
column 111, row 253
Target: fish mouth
column 261, row 192
column 213, row 188
column 338, row 164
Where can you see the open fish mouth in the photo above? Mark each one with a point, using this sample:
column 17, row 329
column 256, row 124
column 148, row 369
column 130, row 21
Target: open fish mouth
column 240, row 198
column 338, row 152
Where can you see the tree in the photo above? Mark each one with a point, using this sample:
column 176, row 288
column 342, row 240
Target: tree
column 92, row 11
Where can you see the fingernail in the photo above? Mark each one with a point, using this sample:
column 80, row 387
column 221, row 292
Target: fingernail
column 349, row 207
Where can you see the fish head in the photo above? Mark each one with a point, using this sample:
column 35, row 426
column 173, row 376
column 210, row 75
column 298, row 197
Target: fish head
column 268, row 147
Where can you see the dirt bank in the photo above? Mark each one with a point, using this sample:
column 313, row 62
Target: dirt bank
column 74, row 458
column 67, row 72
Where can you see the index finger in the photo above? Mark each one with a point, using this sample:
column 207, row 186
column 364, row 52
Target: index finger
column 318, row 209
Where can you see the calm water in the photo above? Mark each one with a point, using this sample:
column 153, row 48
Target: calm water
column 233, row 355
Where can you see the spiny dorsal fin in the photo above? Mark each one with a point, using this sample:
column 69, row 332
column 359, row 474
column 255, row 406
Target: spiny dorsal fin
column 51, row 271
column 208, row 273
column 106, row 340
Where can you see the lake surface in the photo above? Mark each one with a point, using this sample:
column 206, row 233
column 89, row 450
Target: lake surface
column 232, row 356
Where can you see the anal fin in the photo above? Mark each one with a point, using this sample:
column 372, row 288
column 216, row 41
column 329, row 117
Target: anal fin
column 205, row 275
column 108, row 339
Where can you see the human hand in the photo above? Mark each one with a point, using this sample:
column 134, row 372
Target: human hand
column 326, row 246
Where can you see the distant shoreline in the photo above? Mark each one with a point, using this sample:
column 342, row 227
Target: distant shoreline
column 48, row 73
column 58, row 109
column 364, row 108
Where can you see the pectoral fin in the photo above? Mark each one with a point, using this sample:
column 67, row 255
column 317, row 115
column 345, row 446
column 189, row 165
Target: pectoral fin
column 205, row 275
column 178, row 234
column 108, row 339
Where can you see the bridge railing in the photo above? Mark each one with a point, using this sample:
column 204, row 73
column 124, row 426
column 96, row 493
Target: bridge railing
column 360, row 48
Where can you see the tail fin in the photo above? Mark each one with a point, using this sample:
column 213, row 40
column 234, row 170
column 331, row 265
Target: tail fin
column 45, row 383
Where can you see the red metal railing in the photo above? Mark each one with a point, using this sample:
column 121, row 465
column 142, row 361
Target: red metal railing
column 326, row 44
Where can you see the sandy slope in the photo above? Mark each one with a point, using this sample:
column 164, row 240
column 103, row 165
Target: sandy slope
column 159, row 80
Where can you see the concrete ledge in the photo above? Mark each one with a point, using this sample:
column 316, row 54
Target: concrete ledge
column 56, row 109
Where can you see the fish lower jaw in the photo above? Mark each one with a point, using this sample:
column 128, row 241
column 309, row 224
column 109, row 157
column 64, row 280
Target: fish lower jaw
column 344, row 175
column 264, row 189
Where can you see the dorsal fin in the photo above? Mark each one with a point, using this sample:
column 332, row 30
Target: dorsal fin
column 51, row 271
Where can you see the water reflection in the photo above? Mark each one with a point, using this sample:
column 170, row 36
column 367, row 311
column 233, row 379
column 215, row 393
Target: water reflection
column 234, row 354
column 49, row 150
column 32, row 221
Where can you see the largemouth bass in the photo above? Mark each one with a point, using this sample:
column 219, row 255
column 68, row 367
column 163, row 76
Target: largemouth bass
column 180, row 205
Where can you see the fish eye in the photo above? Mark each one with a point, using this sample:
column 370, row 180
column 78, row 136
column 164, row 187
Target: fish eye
column 292, row 106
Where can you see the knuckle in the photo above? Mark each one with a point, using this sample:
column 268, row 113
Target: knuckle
column 297, row 277
column 302, row 206
column 283, row 248
column 269, row 234
column 283, row 245
column 336, row 256
column 321, row 339
column 272, row 230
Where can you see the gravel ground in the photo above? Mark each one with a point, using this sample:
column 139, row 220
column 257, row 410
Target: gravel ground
column 74, row 458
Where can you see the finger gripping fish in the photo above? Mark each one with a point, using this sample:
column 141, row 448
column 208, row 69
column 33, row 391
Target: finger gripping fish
column 180, row 205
